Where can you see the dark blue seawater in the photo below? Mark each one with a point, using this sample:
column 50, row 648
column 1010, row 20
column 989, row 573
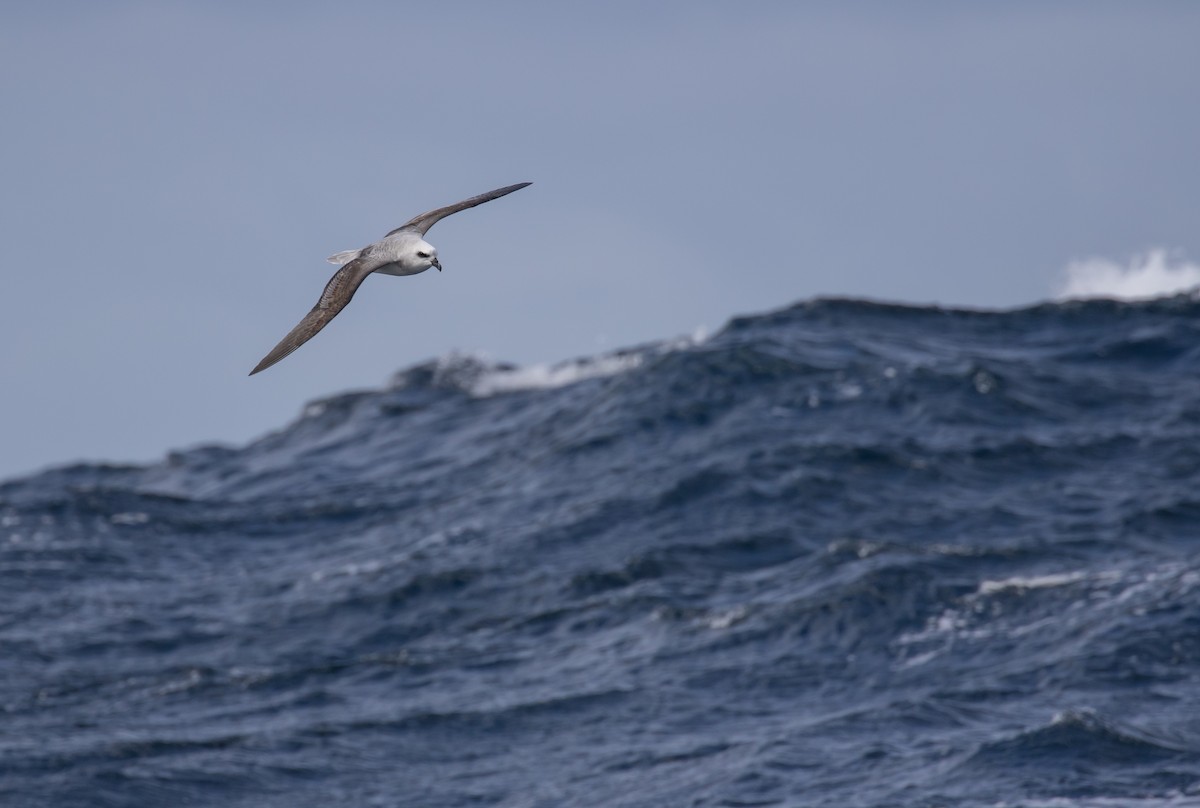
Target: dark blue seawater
column 843, row 554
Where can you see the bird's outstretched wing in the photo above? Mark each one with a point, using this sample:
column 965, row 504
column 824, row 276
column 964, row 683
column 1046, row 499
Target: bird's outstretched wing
column 337, row 294
column 421, row 224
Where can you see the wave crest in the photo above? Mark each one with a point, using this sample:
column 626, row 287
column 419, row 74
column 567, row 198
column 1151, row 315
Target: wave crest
column 1150, row 275
column 481, row 377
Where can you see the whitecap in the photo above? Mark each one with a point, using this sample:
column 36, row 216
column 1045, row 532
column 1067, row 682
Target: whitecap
column 479, row 376
column 1151, row 275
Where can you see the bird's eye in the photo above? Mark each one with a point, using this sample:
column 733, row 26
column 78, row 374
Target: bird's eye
column 422, row 254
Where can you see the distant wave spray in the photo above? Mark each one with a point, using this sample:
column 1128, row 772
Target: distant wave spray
column 1150, row 275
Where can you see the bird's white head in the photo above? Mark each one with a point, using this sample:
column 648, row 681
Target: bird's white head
column 425, row 255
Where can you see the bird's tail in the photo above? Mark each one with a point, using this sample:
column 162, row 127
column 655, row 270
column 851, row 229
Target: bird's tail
column 343, row 257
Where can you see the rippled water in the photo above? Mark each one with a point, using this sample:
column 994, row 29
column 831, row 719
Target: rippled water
column 843, row 554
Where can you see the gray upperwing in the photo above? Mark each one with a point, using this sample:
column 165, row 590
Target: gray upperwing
column 337, row 294
column 422, row 223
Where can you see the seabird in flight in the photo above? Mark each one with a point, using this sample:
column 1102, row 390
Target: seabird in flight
column 404, row 251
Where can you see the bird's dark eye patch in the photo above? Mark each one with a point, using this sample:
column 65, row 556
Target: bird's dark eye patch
column 422, row 254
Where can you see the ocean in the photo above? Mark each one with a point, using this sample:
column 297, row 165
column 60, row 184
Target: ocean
column 841, row 554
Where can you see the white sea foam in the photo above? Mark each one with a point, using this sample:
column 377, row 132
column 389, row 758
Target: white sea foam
column 976, row 618
column 724, row 620
column 1030, row 582
column 1173, row 799
column 535, row 377
column 480, row 377
column 1154, row 274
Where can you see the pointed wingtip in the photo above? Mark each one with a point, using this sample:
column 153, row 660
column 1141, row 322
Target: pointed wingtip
column 508, row 189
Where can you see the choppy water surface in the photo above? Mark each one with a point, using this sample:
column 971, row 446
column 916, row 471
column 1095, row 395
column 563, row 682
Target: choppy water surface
column 844, row 554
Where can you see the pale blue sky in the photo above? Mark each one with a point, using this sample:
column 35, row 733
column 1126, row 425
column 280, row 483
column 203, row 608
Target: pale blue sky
column 174, row 175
